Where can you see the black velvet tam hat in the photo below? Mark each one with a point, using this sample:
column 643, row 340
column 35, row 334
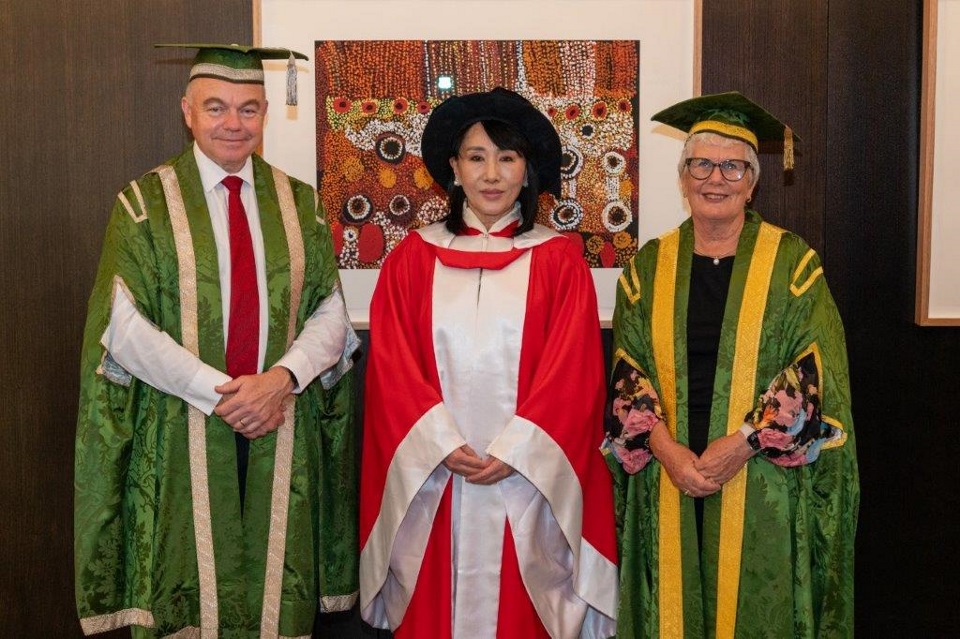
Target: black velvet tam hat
column 457, row 113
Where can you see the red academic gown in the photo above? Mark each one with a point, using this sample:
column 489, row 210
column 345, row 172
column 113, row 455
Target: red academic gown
column 493, row 342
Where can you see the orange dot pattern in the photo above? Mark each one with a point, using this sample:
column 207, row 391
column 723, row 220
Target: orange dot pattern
column 374, row 97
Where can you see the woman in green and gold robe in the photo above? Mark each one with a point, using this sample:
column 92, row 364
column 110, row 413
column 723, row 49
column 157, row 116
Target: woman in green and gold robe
column 729, row 430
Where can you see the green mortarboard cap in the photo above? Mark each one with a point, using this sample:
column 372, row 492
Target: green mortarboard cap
column 240, row 64
column 733, row 115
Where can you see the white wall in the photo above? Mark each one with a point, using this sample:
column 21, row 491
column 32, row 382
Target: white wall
column 665, row 29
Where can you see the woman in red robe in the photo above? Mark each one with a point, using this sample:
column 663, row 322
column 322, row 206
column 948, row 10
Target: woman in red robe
column 486, row 508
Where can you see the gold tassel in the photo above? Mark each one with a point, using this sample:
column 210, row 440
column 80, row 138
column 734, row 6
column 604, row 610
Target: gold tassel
column 291, row 80
column 787, row 149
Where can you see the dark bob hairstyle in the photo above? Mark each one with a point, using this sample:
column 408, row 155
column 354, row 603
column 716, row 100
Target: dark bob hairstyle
column 513, row 124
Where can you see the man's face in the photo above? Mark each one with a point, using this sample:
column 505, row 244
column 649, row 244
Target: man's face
column 226, row 119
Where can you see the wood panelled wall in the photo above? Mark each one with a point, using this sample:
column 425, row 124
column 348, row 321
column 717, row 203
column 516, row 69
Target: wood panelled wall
column 776, row 54
column 87, row 104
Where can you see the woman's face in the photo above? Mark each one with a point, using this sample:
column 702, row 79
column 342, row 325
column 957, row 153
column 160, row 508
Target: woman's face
column 491, row 177
column 716, row 199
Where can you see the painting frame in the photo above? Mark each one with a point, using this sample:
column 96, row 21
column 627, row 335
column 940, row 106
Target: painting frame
column 669, row 72
column 936, row 234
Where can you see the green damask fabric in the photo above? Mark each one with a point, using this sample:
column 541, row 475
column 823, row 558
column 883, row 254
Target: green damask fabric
column 135, row 549
column 796, row 573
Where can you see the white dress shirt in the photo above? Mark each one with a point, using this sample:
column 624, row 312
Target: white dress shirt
column 157, row 359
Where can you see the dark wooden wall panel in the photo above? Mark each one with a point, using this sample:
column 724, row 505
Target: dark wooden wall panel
column 87, row 105
column 774, row 52
column 905, row 376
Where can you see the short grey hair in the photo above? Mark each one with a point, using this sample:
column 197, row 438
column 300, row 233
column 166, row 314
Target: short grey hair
column 709, row 137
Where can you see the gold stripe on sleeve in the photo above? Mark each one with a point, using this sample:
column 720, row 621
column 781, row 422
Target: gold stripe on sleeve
column 631, row 287
column 137, row 217
column 842, row 439
column 802, row 288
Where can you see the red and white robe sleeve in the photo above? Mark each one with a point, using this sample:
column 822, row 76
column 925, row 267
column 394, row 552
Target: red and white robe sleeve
column 551, row 442
column 407, row 430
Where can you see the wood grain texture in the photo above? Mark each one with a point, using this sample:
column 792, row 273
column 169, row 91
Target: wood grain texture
column 902, row 374
column 88, row 104
column 775, row 52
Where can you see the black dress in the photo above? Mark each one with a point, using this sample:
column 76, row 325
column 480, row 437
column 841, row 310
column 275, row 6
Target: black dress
column 709, row 283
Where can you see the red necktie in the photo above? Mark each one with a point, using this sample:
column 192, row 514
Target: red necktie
column 243, row 329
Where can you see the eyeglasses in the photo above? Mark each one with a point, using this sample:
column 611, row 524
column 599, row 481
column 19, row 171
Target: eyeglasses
column 731, row 170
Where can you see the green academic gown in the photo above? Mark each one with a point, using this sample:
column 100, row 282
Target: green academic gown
column 160, row 543
column 777, row 556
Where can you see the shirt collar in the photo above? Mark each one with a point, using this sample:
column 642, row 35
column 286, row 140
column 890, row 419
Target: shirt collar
column 471, row 220
column 211, row 173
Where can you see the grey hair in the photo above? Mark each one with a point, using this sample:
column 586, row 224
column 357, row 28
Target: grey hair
column 709, row 137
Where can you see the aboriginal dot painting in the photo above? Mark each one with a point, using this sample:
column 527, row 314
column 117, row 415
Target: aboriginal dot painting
column 374, row 98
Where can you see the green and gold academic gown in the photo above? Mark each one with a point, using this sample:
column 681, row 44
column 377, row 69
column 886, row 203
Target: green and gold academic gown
column 160, row 542
column 777, row 548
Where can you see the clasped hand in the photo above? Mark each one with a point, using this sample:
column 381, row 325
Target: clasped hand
column 700, row 476
column 253, row 404
column 724, row 458
column 464, row 461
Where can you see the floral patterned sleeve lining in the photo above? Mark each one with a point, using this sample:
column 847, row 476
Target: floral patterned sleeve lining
column 631, row 414
column 787, row 420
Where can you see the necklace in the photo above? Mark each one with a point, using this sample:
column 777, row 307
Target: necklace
column 716, row 258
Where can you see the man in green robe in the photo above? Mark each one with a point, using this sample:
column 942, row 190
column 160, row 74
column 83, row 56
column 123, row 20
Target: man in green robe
column 763, row 546
column 208, row 502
